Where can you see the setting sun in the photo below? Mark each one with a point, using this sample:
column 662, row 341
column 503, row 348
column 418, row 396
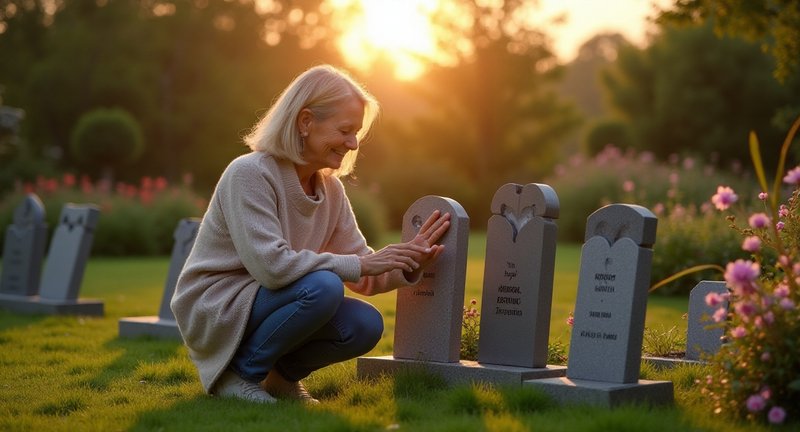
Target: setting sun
column 398, row 31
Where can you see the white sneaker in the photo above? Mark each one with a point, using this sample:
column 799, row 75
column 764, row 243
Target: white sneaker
column 232, row 385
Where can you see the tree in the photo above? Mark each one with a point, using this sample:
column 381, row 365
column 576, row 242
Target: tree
column 490, row 118
column 691, row 91
column 775, row 24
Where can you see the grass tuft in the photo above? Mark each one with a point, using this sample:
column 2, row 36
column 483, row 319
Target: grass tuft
column 62, row 408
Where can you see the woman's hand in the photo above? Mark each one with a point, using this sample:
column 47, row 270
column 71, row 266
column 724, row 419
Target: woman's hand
column 429, row 233
column 413, row 256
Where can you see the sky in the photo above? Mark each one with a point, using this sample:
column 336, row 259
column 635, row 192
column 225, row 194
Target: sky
column 585, row 18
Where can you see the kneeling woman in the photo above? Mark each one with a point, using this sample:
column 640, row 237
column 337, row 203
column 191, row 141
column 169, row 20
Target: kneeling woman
column 260, row 302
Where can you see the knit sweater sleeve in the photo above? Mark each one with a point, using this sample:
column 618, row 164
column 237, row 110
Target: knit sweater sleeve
column 348, row 239
column 249, row 203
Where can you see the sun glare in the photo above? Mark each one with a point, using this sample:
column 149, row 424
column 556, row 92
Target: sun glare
column 398, row 31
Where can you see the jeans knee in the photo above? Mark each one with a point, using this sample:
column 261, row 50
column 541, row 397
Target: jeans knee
column 367, row 327
column 325, row 289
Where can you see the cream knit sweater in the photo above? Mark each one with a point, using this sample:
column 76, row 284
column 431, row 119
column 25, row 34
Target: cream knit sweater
column 261, row 229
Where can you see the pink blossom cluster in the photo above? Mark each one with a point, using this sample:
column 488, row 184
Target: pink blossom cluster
column 762, row 297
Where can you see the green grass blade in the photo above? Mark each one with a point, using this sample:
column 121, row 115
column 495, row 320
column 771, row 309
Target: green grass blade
column 755, row 155
column 685, row 272
column 776, row 188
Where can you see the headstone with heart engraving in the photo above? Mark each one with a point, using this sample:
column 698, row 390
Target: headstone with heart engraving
column 518, row 276
column 606, row 346
column 164, row 324
column 23, row 249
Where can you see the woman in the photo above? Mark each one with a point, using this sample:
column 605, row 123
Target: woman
column 260, row 302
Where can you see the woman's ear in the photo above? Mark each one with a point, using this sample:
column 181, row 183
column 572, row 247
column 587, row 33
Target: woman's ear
column 304, row 119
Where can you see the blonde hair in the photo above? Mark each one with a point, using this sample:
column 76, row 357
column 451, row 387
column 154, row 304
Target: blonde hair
column 319, row 89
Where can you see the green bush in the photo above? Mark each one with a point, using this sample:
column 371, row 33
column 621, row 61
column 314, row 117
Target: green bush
column 134, row 220
column 106, row 138
column 686, row 239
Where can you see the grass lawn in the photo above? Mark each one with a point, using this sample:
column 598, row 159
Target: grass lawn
column 74, row 373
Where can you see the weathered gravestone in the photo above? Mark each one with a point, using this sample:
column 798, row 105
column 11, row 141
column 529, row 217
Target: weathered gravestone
column 703, row 338
column 23, row 249
column 518, row 277
column 164, row 324
column 64, row 268
column 606, row 344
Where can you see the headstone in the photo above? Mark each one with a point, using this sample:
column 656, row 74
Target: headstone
column 164, row 324
column 518, row 276
column 428, row 316
column 702, row 338
column 64, row 267
column 23, row 249
column 606, row 344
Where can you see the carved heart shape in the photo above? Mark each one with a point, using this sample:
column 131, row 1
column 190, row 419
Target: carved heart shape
column 520, row 204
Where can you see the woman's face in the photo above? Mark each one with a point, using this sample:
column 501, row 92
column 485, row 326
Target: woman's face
column 329, row 140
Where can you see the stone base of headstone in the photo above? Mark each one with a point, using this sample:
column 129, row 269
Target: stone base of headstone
column 462, row 372
column 38, row 305
column 154, row 326
column 670, row 362
column 567, row 391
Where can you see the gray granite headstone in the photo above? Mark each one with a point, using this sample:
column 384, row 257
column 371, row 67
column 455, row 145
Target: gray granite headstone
column 23, row 249
column 606, row 345
column 701, row 337
column 164, row 324
column 428, row 316
column 518, row 276
column 69, row 252
column 614, row 278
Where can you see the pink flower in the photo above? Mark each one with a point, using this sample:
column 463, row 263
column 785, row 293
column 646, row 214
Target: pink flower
column 738, row 332
column 756, row 403
column 745, row 308
column 570, row 320
column 787, row 304
column 779, row 226
column 763, row 196
column 713, row 299
column 776, row 415
column 793, row 176
column 766, row 393
column 769, row 317
column 758, row 220
column 628, row 186
column 724, row 197
column 758, row 322
column 781, row 290
column 766, row 357
column 783, row 211
column 751, row 244
column 720, row 314
column 741, row 274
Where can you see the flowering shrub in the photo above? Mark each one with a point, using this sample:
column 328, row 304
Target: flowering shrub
column 134, row 219
column 675, row 186
column 470, row 323
column 756, row 375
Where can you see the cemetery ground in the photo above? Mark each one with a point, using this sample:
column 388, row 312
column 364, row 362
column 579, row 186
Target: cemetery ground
column 75, row 373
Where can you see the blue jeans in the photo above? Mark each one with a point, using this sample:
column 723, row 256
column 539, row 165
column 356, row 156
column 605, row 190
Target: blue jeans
column 303, row 327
